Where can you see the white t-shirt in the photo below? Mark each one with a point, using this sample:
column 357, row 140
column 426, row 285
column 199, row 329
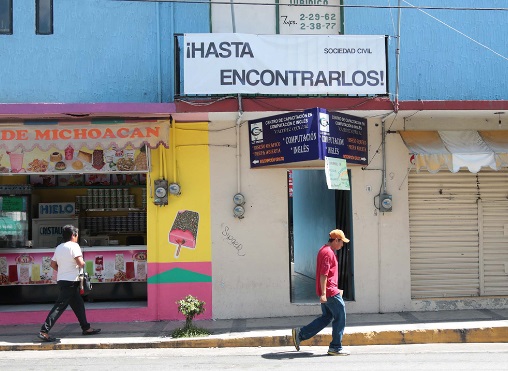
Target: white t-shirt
column 64, row 256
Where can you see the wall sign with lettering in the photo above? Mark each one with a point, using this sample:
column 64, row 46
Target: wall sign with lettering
column 309, row 17
column 312, row 134
column 57, row 209
column 285, row 64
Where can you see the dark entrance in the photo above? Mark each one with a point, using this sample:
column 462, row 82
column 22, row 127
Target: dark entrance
column 314, row 210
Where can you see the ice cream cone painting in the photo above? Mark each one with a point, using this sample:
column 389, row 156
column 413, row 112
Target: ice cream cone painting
column 184, row 231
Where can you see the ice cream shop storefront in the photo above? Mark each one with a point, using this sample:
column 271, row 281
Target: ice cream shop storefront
column 136, row 191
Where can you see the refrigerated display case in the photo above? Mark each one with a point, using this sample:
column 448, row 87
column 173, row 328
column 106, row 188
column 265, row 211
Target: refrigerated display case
column 14, row 221
column 26, row 277
column 47, row 233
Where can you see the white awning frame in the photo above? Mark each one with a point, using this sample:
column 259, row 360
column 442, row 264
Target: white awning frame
column 435, row 150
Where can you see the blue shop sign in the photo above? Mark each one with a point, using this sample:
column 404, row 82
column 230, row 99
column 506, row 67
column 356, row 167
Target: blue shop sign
column 347, row 137
column 57, row 209
column 308, row 135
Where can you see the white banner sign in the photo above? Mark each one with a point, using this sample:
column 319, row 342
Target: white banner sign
column 284, row 64
column 336, row 174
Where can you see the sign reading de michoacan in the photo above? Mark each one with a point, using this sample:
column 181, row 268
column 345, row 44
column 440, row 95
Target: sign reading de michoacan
column 138, row 134
column 285, row 64
column 312, row 134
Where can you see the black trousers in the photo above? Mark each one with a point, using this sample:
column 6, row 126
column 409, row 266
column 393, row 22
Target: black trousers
column 69, row 295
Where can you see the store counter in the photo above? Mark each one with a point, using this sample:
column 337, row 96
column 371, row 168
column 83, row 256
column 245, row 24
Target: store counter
column 118, row 273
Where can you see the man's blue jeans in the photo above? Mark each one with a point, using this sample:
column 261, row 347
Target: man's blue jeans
column 333, row 310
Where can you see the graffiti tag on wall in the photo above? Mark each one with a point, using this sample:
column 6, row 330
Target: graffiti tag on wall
column 230, row 239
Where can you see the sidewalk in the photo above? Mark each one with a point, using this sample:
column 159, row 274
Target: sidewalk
column 459, row 326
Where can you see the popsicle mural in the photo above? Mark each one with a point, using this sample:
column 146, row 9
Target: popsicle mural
column 179, row 250
column 184, row 230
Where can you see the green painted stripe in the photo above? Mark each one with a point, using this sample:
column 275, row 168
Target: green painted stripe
column 179, row 275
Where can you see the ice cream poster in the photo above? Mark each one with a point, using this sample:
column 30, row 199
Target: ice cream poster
column 18, row 269
column 336, row 174
column 106, row 266
column 184, row 231
column 74, row 159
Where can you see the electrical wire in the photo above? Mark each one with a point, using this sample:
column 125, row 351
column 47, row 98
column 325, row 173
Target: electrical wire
column 264, row 101
column 404, row 180
column 203, row 104
column 206, row 145
column 392, row 19
column 377, row 150
column 208, row 130
column 208, row 2
column 459, row 32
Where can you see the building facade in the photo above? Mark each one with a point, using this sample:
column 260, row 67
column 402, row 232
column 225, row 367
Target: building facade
column 437, row 248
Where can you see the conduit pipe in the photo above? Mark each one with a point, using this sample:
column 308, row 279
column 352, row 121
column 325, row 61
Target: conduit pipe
column 233, row 15
column 397, row 60
column 161, row 174
column 238, row 165
column 164, row 163
column 159, row 63
column 173, row 149
column 383, row 149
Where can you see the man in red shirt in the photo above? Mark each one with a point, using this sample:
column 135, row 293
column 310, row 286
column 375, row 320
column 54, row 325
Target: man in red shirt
column 330, row 296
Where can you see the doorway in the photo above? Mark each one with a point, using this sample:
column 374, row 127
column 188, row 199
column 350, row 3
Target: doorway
column 314, row 211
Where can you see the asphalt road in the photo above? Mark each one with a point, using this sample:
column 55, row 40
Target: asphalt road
column 433, row 357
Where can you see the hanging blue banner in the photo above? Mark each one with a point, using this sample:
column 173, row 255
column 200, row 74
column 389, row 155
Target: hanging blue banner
column 281, row 139
column 347, row 138
column 308, row 135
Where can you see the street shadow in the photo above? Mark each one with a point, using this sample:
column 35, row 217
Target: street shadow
column 291, row 355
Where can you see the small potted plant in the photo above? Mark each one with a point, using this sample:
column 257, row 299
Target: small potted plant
column 190, row 307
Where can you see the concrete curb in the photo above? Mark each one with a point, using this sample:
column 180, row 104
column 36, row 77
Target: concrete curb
column 395, row 337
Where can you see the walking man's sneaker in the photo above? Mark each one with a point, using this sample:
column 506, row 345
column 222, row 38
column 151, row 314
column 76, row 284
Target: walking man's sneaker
column 335, row 352
column 296, row 337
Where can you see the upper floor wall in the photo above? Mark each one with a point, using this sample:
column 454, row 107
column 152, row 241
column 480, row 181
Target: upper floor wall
column 444, row 54
column 115, row 51
column 100, row 51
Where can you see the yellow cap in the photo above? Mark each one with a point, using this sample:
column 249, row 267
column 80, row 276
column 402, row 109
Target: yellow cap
column 337, row 233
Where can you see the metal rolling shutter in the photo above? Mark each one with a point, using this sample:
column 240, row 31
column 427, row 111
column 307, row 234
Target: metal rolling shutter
column 443, row 222
column 493, row 215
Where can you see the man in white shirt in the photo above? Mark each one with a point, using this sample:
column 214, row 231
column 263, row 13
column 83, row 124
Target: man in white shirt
column 67, row 261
